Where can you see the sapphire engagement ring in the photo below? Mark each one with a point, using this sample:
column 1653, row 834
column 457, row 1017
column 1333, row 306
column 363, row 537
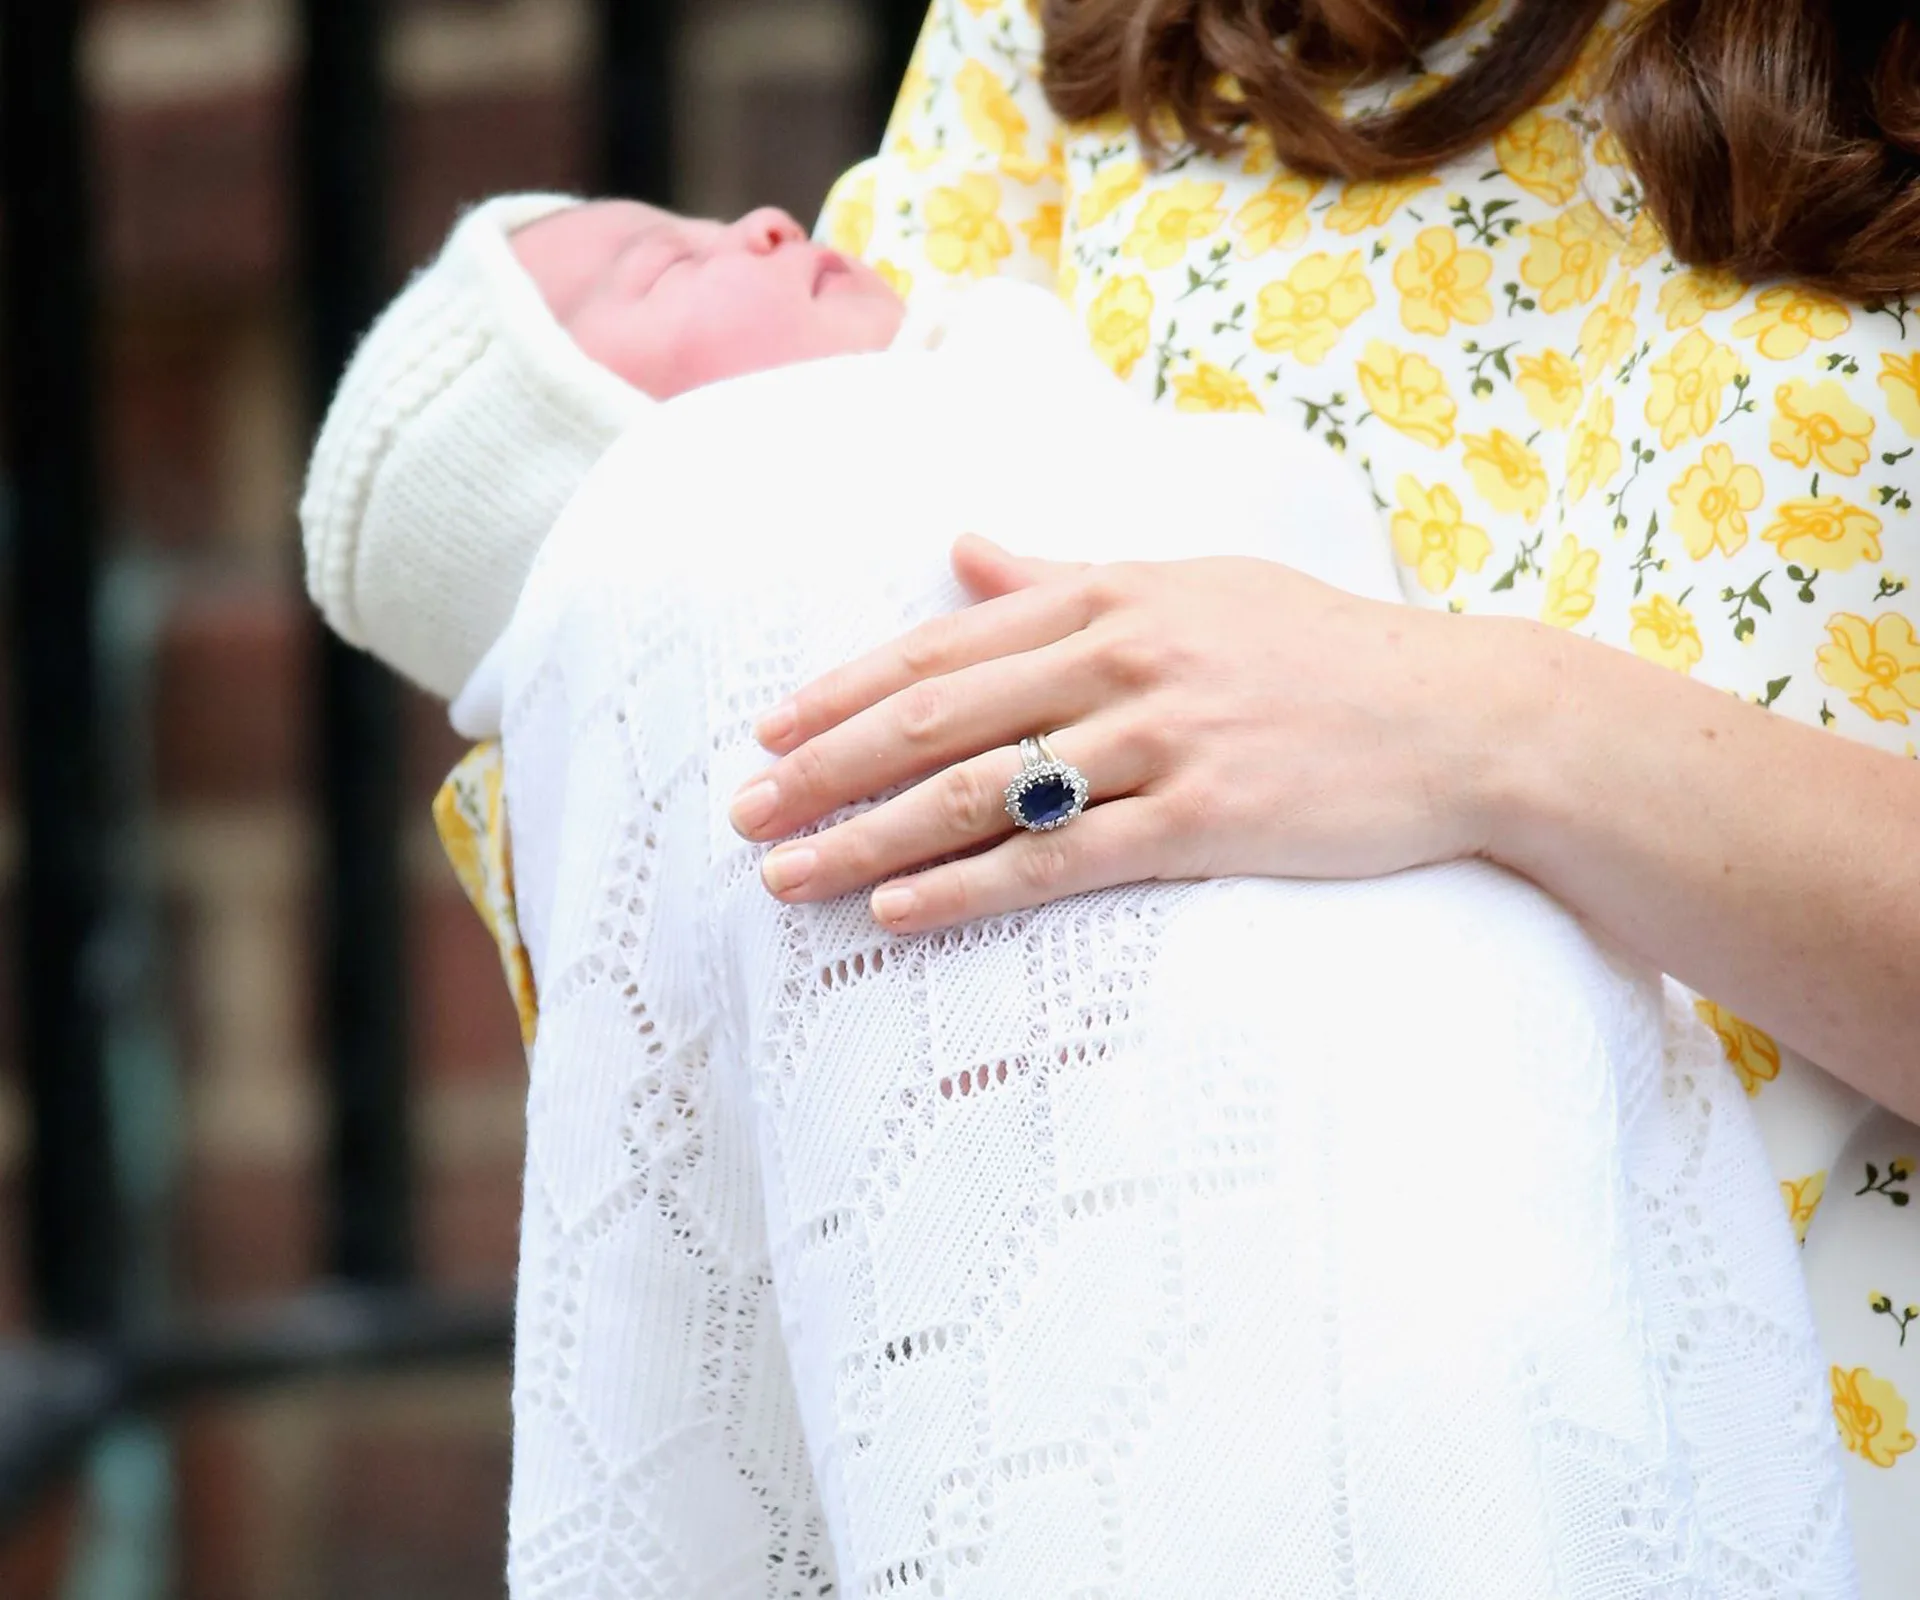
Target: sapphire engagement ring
column 1048, row 793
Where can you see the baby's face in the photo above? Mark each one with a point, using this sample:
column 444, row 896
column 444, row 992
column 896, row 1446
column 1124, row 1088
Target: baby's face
column 671, row 303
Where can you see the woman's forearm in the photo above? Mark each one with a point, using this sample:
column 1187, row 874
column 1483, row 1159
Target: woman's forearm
column 1771, row 866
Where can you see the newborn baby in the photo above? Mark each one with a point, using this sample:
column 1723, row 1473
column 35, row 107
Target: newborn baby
column 477, row 406
column 1237, row 1238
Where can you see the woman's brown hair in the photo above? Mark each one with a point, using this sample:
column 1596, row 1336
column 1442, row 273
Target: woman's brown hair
column 1770, row 139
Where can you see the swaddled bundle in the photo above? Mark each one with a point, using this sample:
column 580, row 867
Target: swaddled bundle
column 1235, row 1238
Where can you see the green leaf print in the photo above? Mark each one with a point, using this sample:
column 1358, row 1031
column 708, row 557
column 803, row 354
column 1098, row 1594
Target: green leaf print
column 1753, row 595
column 1494, row 356
column 1164, row 357
column 1646, row 561
column 1617, row 498
column 1899, row 1170
column 1486, row 226
column 1806, row 578
column 1742, row 382
column 1883, row 1307
column 1518, row 299
column 1896, row 308
column 1525, row 565
column 1215, row 275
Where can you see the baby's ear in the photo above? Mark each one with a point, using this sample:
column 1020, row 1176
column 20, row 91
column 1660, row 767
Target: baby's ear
column 989, row 571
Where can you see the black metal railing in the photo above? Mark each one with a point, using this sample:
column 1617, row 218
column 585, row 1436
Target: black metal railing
column 52, row 447
column 343, row 253
column 94, row 1361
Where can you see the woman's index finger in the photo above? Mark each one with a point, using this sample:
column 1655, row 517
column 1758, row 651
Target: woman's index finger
column 1009, row 625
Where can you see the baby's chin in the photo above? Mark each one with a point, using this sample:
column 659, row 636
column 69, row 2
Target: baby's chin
column 864, row 306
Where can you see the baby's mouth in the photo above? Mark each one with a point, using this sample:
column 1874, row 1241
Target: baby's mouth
column 831, row 265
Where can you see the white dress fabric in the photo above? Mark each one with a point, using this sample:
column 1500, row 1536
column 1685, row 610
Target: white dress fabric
column 1248, row 1238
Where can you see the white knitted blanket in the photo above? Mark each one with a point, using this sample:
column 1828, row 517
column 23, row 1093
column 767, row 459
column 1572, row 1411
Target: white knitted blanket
column 1234, row 1239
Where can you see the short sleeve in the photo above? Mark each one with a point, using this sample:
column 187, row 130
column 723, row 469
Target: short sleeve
column 1740, row 484
column 968, row 181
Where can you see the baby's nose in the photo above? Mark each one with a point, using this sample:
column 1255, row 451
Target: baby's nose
column 767, row 230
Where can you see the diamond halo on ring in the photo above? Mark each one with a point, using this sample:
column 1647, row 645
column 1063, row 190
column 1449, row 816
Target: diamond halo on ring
column 1047, row 793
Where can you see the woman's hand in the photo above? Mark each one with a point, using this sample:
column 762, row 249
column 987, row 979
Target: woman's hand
column 1232, row 717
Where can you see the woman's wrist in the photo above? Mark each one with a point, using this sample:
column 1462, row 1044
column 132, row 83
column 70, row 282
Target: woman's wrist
column 1502, row 763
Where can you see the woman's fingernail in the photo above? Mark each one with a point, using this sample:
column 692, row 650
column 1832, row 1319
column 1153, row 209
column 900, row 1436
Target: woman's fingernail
column 753, row 805
column 892, row 905
column 788, row 867
column 777, row 726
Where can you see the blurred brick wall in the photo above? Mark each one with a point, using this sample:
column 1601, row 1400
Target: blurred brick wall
column 206, row 433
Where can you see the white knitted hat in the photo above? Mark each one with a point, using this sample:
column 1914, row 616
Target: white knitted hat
column 464, row 423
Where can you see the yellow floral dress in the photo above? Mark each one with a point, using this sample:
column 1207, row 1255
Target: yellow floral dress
column 1558, row 421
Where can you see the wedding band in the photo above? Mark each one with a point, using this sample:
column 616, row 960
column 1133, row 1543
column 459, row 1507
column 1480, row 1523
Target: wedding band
column 1047, row 793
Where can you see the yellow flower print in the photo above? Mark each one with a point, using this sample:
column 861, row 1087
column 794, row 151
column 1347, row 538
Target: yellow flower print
column 1875, row 664
column 1304, row 312
column 1551, row 386
column 1042, row 231
column 850, row 218
column 898, row 279
column 1785, row 319
column 1607, row 334
column 1163, row 124
column 965, row 236
column 1608, row 151
column 1416, row 89
column 1688, row 296
column 1069, row 284
column 1372, row 203
column 1571, row 580
column 1108, row 127
column 1120, row 322
column 1593, row 454
column 1803, row 1197
column 1753, row 1055
column 1408, row 393
column 1644, row 240
column 1871, row 1414
column 1276, row 218
column 1824, row 531
column 1900, row 383
column 1569, row 256
column 917, row 156
column 1817, row 422
column 1112, row 187
column 996, row 123
column 1687, row 385
column 1507, row 473
column 470, row 815
column 1441, row 284
column 1580, row 80
column 1711, row 501
column 1542, row 155
column 1211, row 388
column 1431, row 536
column 1173, row 219
column 1664, row 633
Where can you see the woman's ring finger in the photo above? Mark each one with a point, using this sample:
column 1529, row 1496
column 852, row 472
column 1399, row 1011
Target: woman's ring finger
column 1047, row 793
column 967, row 805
